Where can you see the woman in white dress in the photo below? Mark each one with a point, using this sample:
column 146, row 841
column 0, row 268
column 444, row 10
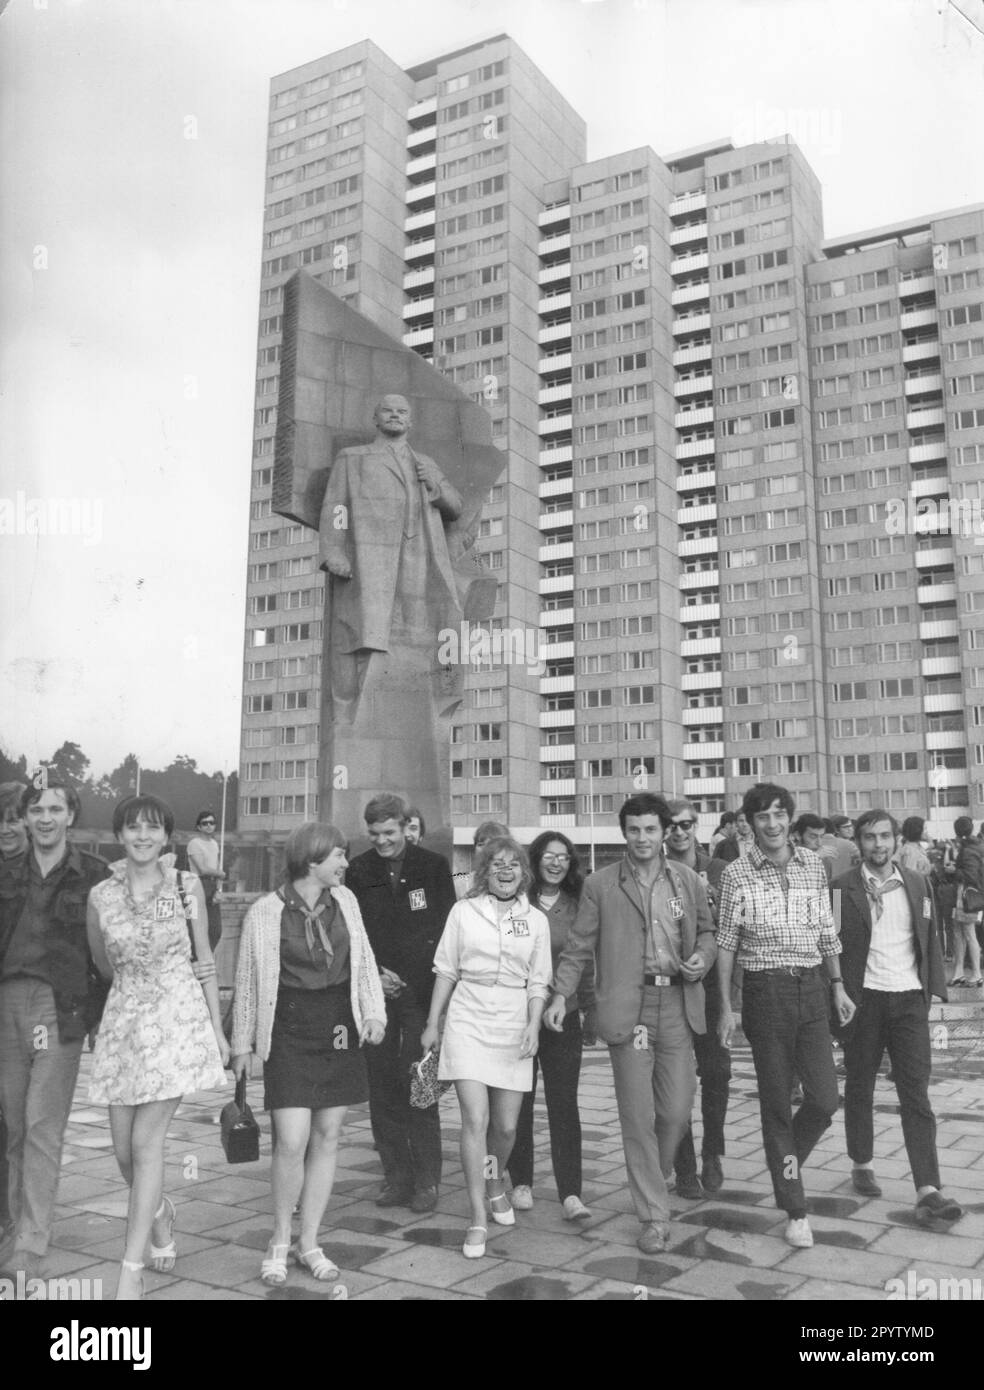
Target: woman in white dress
column 160, row 1035
column 493, row 964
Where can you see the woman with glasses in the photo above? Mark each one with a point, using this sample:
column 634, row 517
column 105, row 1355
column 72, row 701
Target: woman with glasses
column 493, row 976
column 557, row 883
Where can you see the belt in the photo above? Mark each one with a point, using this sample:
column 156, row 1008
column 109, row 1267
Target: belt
column 796, row 971
column 661, row 979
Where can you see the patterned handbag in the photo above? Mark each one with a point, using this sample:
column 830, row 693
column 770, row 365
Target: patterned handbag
column 425, row 1089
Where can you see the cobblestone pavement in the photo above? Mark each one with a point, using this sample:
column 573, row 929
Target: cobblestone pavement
column 728, row 1246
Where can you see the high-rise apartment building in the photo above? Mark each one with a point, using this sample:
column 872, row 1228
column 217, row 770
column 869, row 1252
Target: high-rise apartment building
column 718, row 429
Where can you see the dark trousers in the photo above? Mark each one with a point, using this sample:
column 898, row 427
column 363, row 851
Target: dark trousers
column 900, row 1022
column 784, row 1018
column 559, row 1061
column 210, row 885
column 714, row 1070
column 4, row 1176
column 408, row 1140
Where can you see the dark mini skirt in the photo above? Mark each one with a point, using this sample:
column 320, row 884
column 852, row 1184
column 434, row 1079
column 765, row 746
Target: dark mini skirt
column 315, row 1060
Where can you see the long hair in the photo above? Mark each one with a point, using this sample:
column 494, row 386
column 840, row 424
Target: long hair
column 483, row 869
column 573, row 880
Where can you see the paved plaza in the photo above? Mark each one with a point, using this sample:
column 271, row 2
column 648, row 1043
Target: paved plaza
column 729, row 1246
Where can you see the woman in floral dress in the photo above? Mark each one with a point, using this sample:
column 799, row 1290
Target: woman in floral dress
column 161, row 1031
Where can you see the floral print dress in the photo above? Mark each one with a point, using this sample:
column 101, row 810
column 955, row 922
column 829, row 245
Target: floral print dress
column 156, row 1039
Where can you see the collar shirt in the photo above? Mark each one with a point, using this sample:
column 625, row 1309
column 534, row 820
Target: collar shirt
column 891, row 965
column 514, row 953
column 29, row 949
column 776, row 916
column 663, row 911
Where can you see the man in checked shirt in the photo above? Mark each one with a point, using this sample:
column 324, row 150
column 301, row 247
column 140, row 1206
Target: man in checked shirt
column 775, row 917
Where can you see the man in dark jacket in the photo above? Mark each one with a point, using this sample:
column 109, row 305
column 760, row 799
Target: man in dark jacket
column 892, row 966
column 970, row 869
column 405, row 894
column 51, row 997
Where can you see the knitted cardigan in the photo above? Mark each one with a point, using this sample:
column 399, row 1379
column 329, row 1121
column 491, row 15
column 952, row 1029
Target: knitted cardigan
column 258, row 973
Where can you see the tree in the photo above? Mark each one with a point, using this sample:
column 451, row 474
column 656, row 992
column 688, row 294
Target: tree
column 70, row 764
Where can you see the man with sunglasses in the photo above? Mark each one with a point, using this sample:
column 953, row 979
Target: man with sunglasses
column 203, row 857
column 713, row 1060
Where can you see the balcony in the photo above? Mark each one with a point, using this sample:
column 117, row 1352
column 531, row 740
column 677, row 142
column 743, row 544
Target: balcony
column 556, row 488
column 925, row 419
column 419, row 309
column 925, row 453
column 930, row 487
column 688, row 202
column 554, row 304
column 557, row 584
column 420, row 109
column 562, row 453
column 701, row 613
column 556, row 718
column 426, row 135
column 413, row 279
column 551, row 520
column 557, row 424
column 417, row 221
column 936, row 558
column 565, row 822
column 918, row 352
column 561, row 213
column 418, row 336
column 420, row 193
column 556, row 651
column 554, row 332
column 689, row 516
column 687, row 482
column 556, row 617
column 695, row 323
column 693, row 385
column 707, row 714
column 557, row 685
column 701, row 579
column 690, row 419
column 558, row 787
column 689, row 294
column 424, row 164
column 695, row 448
column 550, row 245
column 940, row 629
column 702, row 680
column 940, row 666
column 561, row 753
column 917, row 318
column 680, row 236
column 563, row 551
column 701, row 646
column 922, row 284
column 703, row 786
column 698, row 352
column 919, row 385
column 560, row 362
column 937, row 593
column 552, row 273
column 701, row 752
column 550, row 394
column 942, row 704
column 703, row 545
column 948, row 776
column 419, row 250
column 693, row 260
column 948, row 738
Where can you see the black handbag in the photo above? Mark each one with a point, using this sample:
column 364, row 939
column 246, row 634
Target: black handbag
column 240, row 1132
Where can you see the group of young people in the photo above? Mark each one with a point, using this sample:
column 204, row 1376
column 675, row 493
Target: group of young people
column 351, row 973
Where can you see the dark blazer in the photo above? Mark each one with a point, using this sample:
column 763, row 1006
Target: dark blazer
column 404, row 928
column 610, row 927
column 79, row 990
column 855, row 933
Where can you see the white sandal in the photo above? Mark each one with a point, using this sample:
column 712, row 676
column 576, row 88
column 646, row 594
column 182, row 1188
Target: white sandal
column 162, row 1257
column 273, row 1269
column 474, row 1250
column 130, row 1267
column 316, row 1262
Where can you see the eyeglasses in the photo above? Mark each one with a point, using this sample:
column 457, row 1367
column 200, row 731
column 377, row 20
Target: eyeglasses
column 502, row 864
column 682, row 824
column 557, row 858
column 202, row 825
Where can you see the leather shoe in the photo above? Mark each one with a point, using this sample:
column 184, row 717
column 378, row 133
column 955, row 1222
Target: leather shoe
column 688, row 1185
column 424, row 1199
column 935, row 1207
column 654, row 1239
column 391, row 1196
column 863, row 1180
column 711, row 1174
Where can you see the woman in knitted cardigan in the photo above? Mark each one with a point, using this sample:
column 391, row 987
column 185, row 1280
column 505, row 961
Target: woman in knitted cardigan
column 308, row 995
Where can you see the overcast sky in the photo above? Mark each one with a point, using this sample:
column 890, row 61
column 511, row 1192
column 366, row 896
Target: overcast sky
column 133, row 137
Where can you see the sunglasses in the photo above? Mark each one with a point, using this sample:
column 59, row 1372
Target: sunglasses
column 557, row 858
column 682, row 824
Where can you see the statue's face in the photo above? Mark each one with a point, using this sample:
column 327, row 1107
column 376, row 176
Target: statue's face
column 392, row 415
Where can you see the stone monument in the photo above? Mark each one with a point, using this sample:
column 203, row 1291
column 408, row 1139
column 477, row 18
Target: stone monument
column 390, row 463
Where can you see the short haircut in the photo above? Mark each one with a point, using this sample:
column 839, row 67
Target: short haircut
column 676, row 804
column 573, row 880
column 912, row 828
column 11, row 794
column 490, row 829
column 644, row 804
column 727, row 819
column 385, row 807
column 309, row 844
column 839, row 821
column 31, row 795
column 963, row 827
column 416, row 811
column 762, row 795
column 872, row 817
column 808, row 821
column 149, row 808
column 498, row 845
column 204, row 815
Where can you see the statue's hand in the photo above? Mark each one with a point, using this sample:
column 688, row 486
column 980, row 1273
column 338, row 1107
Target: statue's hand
column 339, row 567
